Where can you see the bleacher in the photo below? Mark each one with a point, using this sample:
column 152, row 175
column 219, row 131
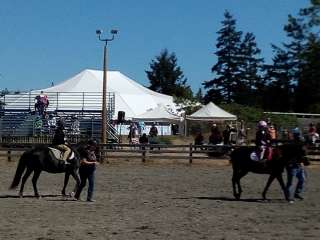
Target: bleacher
column 83, row 122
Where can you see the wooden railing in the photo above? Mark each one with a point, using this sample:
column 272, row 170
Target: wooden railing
column 147, row 152
column 138, row 151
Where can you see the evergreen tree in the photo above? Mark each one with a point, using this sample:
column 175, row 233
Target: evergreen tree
column 307, row 93
column 304, row 52
column 226, row 70
column 250, row 79
column 167, row 78
column 280, row 83
column 199, row 96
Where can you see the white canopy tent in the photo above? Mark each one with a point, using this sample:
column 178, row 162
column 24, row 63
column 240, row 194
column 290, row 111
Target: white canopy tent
column 211, row 112
column 81, row 92
column 158, row 114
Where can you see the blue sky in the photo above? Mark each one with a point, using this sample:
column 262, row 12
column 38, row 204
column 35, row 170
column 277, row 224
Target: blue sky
column 49, row 41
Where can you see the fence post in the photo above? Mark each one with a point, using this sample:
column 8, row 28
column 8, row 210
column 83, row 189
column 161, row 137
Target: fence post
column 143, row 154
column 9, row 155
column 101, row 153
column 190, row 153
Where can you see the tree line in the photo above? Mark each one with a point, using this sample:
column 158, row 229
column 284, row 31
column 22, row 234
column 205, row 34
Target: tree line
column 290, row 83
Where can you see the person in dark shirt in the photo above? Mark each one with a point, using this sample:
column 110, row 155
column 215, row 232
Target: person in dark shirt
column 199, row 140
column 153, row 131
column 59, row 141
column 144, row 139
column 215, row 137
column 226, row 135
column 88, row 162
column 296, row 169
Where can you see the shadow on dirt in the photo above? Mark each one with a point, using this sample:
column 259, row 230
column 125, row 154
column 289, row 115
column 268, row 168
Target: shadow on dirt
column 231, row 199
column 32, row 196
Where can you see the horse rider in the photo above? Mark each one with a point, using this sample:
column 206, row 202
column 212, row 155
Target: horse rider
column 59, row 141
column 263, row 141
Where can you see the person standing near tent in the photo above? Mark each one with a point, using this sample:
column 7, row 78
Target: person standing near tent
column 153, row 131
column 132, row 132
column 215, row 137
column 226, row 135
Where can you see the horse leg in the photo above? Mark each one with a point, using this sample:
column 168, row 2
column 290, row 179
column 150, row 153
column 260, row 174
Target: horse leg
column 24, row 179
column 235, row 179
column 283, row 186
column 236, row 183
column 66, row 180
column 270, row 180
column 76, row 177
column 34, row 183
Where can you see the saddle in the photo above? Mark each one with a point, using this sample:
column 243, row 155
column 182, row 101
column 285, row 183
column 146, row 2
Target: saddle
column 268, row 154
column 58, row 154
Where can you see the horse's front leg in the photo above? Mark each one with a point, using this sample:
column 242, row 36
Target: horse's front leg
column 34, row 182
column 270, row 180
column 66, row 180
column 235, row 180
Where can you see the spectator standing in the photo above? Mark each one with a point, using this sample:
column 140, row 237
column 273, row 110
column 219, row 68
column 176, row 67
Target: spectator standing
column 153, row 131
column 41, row 103
column 199, row 139
column 132, row 132
column 312, row 134
column 226, row 135
column 296, row 134
column 215, row 137
column 273, row 133
column 144, row 139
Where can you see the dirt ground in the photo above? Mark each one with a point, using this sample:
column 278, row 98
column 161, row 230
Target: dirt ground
column 171, row 200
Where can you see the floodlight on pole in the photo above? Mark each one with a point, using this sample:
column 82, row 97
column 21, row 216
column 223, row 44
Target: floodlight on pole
column 104, row 135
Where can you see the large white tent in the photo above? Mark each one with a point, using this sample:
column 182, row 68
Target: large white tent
column 158, row 114
column 211, row 112
column 81, row 92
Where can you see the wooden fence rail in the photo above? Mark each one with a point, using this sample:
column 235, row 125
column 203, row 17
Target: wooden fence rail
column 150, row 151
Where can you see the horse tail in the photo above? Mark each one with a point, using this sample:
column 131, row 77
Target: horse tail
column 20, row 169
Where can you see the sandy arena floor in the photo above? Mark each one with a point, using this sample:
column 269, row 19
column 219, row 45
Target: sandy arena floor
column 159, row 201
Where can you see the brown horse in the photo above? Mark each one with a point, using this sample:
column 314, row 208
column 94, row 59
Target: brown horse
column 282, row 156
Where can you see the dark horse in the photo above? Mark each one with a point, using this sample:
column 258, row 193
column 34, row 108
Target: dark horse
column 282, row 156
column 42, row 159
